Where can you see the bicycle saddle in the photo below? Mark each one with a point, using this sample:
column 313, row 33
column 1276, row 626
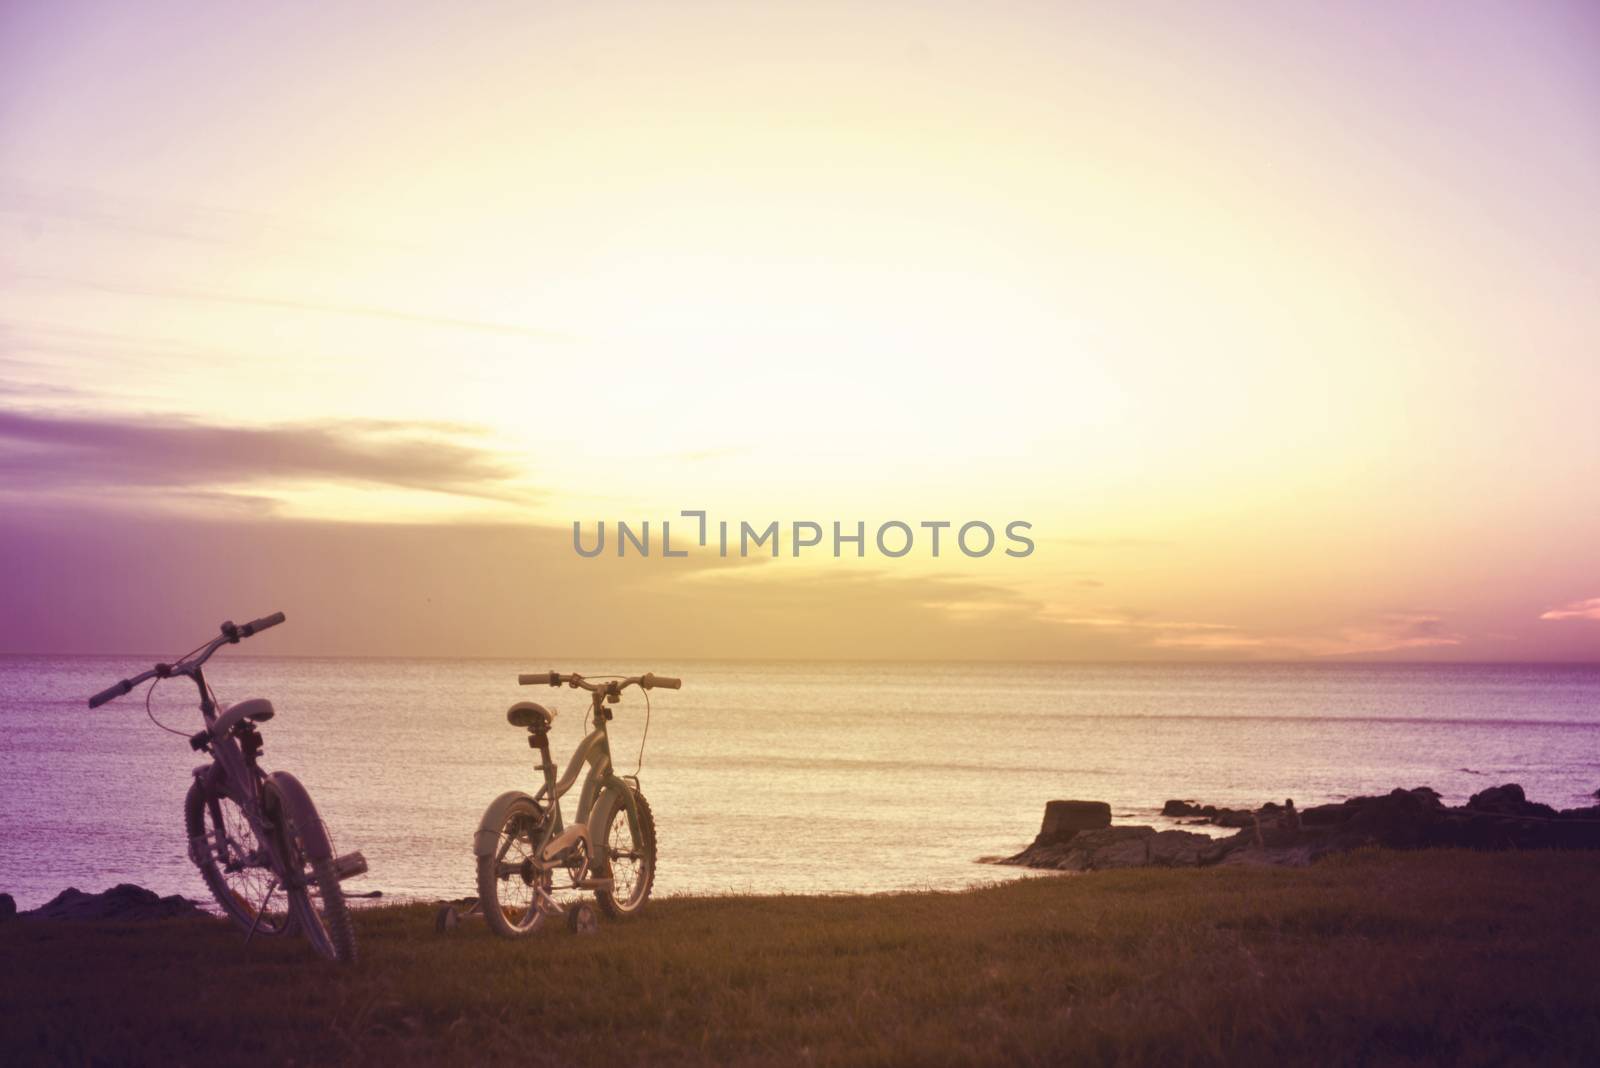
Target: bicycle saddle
column 256, row 710
column 529, row 714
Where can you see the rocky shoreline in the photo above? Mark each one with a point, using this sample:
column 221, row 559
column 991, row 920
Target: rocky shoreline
column 122, row 902
column 1078, row 835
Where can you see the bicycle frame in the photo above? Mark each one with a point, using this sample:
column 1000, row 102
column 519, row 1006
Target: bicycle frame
column 233, row 774
column 594, row 750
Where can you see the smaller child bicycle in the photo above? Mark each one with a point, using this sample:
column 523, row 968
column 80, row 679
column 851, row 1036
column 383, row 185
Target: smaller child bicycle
column 526, row 853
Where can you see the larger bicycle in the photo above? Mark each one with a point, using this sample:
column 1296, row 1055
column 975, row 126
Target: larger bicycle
column 261, row 848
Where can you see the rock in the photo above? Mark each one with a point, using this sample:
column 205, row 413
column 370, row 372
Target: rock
column 1401, row 819
column 1510, row 793
column 1179, row 849
column 8, row 907
column 1234, row 817
column 1077, row 852
column 1063, row 819
column 1124, row 852
column 122, row 902
column 1508, row 800
column 1323, row 815
column 1117, row 847
column 1498, row 818
column 1221, row 817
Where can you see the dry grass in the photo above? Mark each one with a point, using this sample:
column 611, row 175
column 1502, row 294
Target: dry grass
column 1438, row 957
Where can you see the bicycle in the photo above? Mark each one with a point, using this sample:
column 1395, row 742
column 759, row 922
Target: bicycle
column 252, row 833
column 521, row 842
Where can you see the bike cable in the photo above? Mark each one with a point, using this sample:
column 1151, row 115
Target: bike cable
column 639, row 764
column 150, row 692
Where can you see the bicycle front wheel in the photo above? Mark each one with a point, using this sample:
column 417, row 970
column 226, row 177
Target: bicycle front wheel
column 629, row 849
column 315, row 896
column 236, row 867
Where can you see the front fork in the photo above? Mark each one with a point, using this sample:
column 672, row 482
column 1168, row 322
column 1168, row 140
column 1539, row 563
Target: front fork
column 214, row 845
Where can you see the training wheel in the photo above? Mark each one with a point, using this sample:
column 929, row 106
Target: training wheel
column 446, row 920
column 582, row 919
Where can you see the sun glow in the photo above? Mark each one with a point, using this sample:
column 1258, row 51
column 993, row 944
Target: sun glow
column 1213, row 319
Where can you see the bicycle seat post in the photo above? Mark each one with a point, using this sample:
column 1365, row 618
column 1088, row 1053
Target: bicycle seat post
column 539, row 739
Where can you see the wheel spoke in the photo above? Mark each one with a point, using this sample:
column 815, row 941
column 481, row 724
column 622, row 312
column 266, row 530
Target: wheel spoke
column 627, row 857
column 517, row 878
column 245, row 883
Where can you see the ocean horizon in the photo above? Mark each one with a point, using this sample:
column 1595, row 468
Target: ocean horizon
column 767, row 777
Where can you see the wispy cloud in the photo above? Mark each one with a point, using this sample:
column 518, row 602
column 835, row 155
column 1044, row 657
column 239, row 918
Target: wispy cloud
column 1587, row 609
column 1128, row 622
column 51, row 451
column 1391, row 632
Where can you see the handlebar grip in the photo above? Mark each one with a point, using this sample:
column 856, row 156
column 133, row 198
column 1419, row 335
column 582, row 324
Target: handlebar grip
column 664, row 681
column 111, row 692
column 259, row 625
column 543, row 678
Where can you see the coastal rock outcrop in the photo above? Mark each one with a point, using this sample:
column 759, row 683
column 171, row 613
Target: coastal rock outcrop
column 1116, row 847
column 1063, row 819
column 1509, row 800
column 1221, row 817
column 1500, row 817
column 8, row 907
column 121, row 902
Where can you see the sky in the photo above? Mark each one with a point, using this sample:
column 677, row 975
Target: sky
column 1278, row 325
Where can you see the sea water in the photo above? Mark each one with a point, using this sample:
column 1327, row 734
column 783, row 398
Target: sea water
column 789, row 778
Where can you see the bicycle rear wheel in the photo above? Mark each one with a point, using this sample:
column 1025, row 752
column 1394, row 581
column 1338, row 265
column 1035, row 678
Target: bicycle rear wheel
column 508, row 881
column 235, row 866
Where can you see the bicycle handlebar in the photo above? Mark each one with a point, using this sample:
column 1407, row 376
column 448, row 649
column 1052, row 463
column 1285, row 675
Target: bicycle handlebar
column 646, row 681
column 229, row 636
column 117, row 689
column 256, row 626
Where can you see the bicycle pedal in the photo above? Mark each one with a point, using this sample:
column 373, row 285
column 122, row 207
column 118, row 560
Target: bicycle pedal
column 349, row 866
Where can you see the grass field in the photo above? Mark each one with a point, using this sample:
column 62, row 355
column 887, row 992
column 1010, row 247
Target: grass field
column 1371, row 958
